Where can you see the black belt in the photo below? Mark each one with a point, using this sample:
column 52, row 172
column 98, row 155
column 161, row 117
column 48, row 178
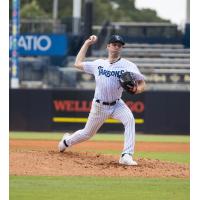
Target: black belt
column 107, row 103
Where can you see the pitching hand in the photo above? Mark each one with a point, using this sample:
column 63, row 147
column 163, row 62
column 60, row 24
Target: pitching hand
column 91, row 40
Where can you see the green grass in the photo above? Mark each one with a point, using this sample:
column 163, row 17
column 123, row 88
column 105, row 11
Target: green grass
column 97, row 188
column 102, row 137
column 165, row 156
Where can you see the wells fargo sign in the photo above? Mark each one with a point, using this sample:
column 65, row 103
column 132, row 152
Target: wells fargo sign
column 73, row 108
column 84, row 106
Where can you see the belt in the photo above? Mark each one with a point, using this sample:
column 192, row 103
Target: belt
column 107, row 103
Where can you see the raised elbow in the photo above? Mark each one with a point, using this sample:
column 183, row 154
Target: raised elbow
column 78, row 65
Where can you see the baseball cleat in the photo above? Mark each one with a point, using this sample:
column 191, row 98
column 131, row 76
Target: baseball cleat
column 127, row 159
column 62, row 145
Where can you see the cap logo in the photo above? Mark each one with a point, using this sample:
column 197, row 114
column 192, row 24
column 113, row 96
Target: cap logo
column 117, row 37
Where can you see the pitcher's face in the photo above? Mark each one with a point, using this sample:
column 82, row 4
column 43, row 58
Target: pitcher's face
column 114, row 47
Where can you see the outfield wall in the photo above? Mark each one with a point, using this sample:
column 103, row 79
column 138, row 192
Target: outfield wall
column 67, row 110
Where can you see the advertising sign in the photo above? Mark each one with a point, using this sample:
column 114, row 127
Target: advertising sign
column 71, row 109
column 43, row 45
column 155, row 112
column 14, row 43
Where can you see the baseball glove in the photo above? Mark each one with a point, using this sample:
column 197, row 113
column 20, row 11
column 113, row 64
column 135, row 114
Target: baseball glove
column 129, row 82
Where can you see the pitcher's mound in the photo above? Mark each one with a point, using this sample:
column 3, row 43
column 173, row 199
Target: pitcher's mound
column 52, row 163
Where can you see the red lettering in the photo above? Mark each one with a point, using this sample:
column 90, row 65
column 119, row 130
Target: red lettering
column 81, row 106
column 72, row 106
column 59, row 105
column 76, row 106
column 137, row 106
column 84, row 106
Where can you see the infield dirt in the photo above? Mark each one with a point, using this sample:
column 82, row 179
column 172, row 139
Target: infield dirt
column 37, row 157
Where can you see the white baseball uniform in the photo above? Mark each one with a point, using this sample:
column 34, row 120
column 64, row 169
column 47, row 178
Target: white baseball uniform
column 108, row 90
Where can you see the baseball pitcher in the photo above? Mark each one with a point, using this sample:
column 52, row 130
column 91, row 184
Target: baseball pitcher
column 112, row 76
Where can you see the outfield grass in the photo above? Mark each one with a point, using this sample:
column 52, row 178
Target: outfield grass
column 167, row 156
column 180, row 157
column 102, row 137
column 97, row 188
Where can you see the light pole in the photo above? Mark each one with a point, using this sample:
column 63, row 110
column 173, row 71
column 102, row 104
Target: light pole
column 76, row 16
column 88, row 20
column 187, row 26
column 55, row 9
column 55, row 15
column 188, row 12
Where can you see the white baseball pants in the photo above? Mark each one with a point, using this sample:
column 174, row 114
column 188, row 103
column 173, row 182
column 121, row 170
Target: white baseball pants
column 98, row 114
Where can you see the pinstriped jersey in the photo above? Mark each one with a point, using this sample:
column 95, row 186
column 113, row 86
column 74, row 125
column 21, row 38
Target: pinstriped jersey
column 107, row 75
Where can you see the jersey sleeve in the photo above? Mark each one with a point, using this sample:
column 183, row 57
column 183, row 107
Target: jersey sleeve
column 133, row 68
column 89, row 66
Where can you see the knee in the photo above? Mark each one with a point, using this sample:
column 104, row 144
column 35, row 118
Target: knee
column 87, row 134
column 130, row 120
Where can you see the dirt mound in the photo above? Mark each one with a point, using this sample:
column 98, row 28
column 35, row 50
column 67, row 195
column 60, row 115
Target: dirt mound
column 53, row 163
column 102, row 145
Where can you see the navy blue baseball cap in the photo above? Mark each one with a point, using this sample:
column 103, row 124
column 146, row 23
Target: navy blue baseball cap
column 116, row 38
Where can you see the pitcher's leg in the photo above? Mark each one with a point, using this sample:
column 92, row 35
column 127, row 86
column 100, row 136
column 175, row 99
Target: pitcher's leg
column 98, row 114
column 124, row 114
column 92, row 126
